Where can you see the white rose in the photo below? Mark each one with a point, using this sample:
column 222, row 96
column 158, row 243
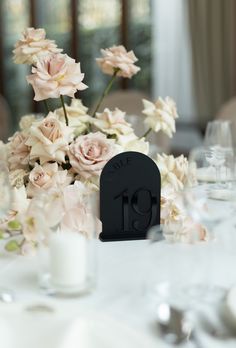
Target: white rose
column 46, row 177
column 33, row 45
column 131, row 142
column 49, row 139
column 161, row 115
column 112, row 122
column 174, row 171
column 77, row 116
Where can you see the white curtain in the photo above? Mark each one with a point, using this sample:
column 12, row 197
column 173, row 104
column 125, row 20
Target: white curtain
column 213, row 38
column 172, row 60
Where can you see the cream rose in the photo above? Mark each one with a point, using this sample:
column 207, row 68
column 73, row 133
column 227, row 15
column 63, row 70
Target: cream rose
column 88, row 154
column 161, row 115
column 46, row 177
column 131, row 142
column 56, row 75
column 19, row 151
column 174, row 171
column 32, row 46
column 112, row 122
column 117, row 58
column 77, row 116
column 49, row 139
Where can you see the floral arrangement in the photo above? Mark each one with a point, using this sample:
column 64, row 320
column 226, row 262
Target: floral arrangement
column 64, row 152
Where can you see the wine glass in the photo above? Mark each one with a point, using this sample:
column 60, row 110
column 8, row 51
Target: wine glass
column 219, row 150
column 206, row 208
column 200, row 165
column 185, row 274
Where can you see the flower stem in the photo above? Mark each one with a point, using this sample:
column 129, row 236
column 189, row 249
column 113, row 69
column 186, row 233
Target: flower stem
column 46, row 105
column 106, row 90
column 64, row 109
column 146, row 133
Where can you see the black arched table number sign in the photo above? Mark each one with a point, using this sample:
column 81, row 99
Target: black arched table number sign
column 130, row 189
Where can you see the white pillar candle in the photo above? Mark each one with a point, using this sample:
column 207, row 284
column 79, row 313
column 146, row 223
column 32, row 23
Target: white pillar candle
column 68, row 259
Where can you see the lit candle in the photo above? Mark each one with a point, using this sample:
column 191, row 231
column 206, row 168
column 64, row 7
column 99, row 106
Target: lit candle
column 68, row 259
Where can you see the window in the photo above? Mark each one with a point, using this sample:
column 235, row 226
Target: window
column 81, row 28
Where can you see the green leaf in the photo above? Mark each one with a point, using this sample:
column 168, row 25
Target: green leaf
column 14, row 225
column 2, row 234
column 12, row 245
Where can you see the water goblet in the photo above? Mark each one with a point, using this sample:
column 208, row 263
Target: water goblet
column 212, row 209
column 219, row 150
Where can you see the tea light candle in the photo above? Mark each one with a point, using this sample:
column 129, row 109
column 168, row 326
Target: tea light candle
column 68, row 259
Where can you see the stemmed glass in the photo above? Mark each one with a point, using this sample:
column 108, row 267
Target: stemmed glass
column 219, row 152
column 188, row 274
column 210, row 211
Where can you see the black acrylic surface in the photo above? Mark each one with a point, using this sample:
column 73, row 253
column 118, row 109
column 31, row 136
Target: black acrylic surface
column 130, row 187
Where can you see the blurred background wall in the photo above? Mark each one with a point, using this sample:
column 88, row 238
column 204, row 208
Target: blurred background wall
column 186, row 49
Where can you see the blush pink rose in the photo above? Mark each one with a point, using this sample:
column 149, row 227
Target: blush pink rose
column 46, row 177
column 19, row 151
column 49, row 139
column 89, row 153
column 56, row 75
column 32, row 46
column 117, row 57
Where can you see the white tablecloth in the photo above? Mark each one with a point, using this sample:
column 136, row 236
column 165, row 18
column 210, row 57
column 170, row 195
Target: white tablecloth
column 119, row 299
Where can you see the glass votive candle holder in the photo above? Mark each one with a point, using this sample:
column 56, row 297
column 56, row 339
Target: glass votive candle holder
column 66, row 263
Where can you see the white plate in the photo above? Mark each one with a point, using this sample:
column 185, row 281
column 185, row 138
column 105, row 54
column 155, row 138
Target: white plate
column 101, row 331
